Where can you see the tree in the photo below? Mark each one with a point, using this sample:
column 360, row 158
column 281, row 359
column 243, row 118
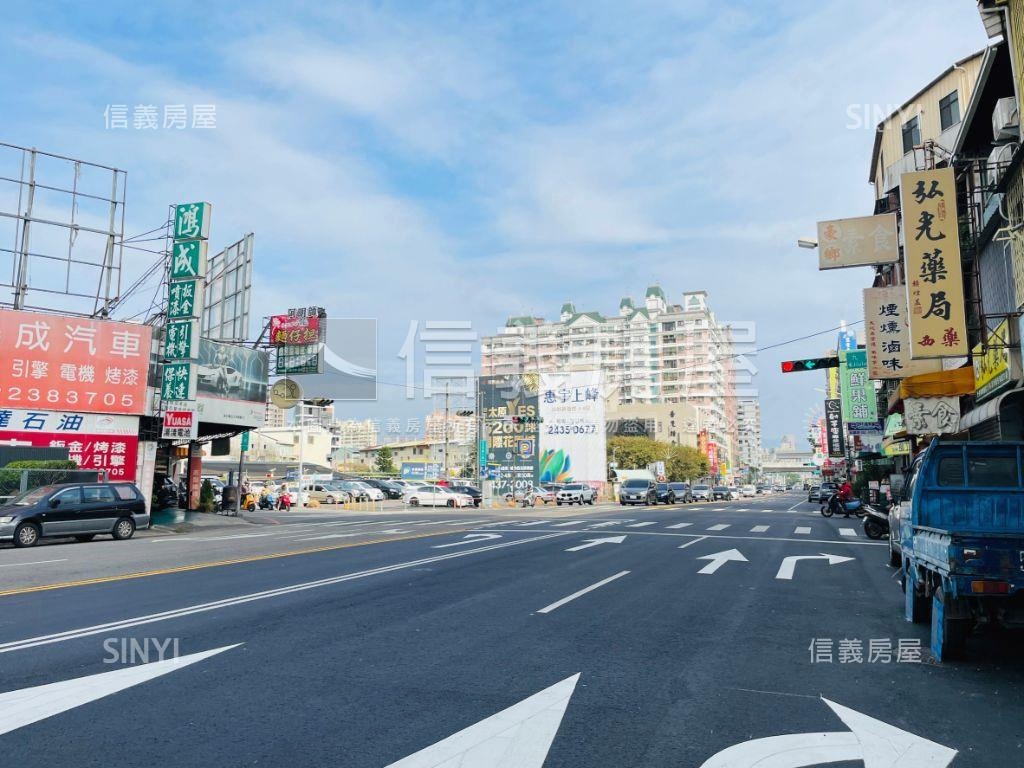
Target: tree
column 792, row 478
column 686, row 463
column 635, row 452
column 385, row 461
column 206, row 499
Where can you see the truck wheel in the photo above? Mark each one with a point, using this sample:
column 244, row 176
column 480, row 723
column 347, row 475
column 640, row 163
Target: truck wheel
column 894, row 557
column 949, row 633
column 917, row 606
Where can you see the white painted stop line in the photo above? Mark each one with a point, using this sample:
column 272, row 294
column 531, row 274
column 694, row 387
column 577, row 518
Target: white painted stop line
column 719, row 527
column 847, row 532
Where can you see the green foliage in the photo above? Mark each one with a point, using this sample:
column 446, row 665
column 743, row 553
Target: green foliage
column 385, row 463
column 206, row 497
column 43, row 472
column 635, row 452
column 792, row 478
column 686, row 463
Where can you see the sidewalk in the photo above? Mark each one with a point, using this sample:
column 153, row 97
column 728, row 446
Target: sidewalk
column 184, row 521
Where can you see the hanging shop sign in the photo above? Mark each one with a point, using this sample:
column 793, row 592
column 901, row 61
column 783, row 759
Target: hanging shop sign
column 935, row 284
column 180, row 425
column 292, row 330
column 834, row 429
column 887, row 332
column 858, row 242
column 992, row 363
column 856, row 390
column 931, row 415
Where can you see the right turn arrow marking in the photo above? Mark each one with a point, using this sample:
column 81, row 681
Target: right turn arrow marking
column 789, row 564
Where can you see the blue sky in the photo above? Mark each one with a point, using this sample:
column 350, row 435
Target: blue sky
column 475, row 160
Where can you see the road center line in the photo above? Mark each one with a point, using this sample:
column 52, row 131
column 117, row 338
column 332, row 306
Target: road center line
column 74, row 634
column 585, row 590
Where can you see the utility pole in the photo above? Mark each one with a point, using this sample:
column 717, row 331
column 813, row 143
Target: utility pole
column 445, row 475
column 302, row 447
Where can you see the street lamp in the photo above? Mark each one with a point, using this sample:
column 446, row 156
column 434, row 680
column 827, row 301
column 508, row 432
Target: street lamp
column 807, row 242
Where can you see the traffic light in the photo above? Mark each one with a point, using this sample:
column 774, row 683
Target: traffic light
column 811, row 364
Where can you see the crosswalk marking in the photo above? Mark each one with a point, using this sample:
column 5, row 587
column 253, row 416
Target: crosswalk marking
column 719, row 527
column 568, row 523
column 847, row 532
column 679, row 525
column 718, row 509
column 535, row 522
column 802, row 529
column 743, row 509
column 759, row 529
column 640, row 525
column 767, row 510
column 606, row 523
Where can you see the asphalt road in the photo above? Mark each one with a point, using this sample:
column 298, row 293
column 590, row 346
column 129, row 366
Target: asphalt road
column 666, row 636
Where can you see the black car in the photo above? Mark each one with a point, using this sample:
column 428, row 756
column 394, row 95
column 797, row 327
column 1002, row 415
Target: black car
column 638, row 492
column 679, row 493
column 389, row 490
column 469, row 490
column 79, row 510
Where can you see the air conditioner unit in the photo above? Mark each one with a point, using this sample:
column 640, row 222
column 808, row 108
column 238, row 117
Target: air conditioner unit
column 998, row 161
column 1005, row 119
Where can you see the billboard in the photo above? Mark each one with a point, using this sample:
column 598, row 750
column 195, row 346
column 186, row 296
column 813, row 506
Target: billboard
column 72, row 363
column 858, row 242
column 93, row 441
column 834, row 428
column 510, row 423
column 572, row 431
column 992, row 363
column 291, row 330
column 887, row 330
column 227, row 291
column 856, row 390
column 421, row 470
column 935, row 281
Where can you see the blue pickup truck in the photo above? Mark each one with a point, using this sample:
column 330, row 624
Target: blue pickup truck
column 961, row 540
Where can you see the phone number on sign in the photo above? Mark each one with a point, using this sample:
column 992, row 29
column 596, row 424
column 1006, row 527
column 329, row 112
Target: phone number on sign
column 61, row 397
column 572, row 429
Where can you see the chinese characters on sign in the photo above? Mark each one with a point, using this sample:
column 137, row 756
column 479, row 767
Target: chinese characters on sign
column 181, row 425
column 146, row 117
column 888, row 336
column 834, row 429
column 510, row 423
column 992, row 362
column 858, row 242
column 857, row 391
column 825, row 650
column 931, row 415
column 293, row 330
column 57, row 363
column 572, row 429
column 935, row 287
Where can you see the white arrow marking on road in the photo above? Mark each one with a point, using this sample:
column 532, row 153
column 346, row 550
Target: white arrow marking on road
column 471, row 538
column 517, row 737
column 721, row 558
column 597, row 542
column 877, row 744
column 789, row 564
column 30, row 705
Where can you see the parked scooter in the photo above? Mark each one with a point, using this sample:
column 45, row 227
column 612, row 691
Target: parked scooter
column 876, row 522
column 835, row 507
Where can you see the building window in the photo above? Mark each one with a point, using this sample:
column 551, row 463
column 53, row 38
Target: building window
column 911, row 134
column 949, row 111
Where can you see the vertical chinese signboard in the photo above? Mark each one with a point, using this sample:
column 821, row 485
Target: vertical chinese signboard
column 857, row 392
column 572, row 434
column 834, row 429
column 992, row 363
column 935, row 285
column 888, row 336
column 510, row 423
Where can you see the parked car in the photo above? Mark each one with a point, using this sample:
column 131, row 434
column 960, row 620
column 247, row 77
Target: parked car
column 638, row 491
column 814, row 493
column 553, row 487
column 748, row 491
column 436, row 496
column 724, row 493
column 576, row 493
column 764, row 490
column 679, row 493
column 372, row 493
column 701, row 492
column 326, row 493
column 385, row 487
column 79, row 510
column 468, row 490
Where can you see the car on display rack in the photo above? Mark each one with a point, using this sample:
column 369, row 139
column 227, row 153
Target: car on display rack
column 701, row 492
column 576, row 493
column 73, row 510
column 436, row 496
column 638, row 491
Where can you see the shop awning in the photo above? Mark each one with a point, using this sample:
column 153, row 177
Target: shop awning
column 959, row 381
column 986, row 411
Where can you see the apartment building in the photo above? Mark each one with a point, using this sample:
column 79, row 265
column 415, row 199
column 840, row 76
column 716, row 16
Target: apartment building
column 461, row 429
column 749, row 452
column 650, row 352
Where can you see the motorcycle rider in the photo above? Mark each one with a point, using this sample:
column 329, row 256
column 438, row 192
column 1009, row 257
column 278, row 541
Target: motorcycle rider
column 845, row 495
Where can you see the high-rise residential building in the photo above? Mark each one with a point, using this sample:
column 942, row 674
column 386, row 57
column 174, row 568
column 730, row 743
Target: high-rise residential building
column 350, row 435
column 654, row 351
column 748, row 433
column 275, row 417
column 461, row 429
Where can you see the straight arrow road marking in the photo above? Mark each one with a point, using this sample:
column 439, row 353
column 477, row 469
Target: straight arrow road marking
column 759, row 529
column 30, row 705
column 802, row 529
column 679, row 525
column 876, row 744
column 588, row 543
column 719, row 527
column 721, row 558
column 640, row 525
column 789, row 564
column 471, row 538
column 585, row 590
column 847, row 532
column 517, row 737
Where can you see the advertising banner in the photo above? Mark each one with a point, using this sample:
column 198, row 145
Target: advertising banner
column 931, row 415
column 859, row 402
column 858, row 242
column 73, row 364
column 93, row 441
column 992, row 363
column 421, row 470
column 182, row 425
column 291, row 330
column 834, row 428
column 931, row 247
column 510, row 423
column 572, row 433
column 887, row 329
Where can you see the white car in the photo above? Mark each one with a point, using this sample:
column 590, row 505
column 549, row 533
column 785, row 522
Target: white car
column 748, row 491
column 701, row 492
column 435, row 496
column 374, row 494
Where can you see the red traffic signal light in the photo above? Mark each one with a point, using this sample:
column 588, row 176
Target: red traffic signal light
column 787, row 366
column 810, row 364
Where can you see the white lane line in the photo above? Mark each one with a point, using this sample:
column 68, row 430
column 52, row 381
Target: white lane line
column 767, row 510
column 759, row 529
column 718, row 509
column 719, row 527
column 640, row 525
column 743, row 509
column 114, row 626
column 795, row 506
column 568, row 523
column 847, row 532
column 679, row 525
column 535, row 522
column 443, row 522
column 802, row 529
column 34, row 562
column 692, row 541
column 610, row 522
column 559, row 603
